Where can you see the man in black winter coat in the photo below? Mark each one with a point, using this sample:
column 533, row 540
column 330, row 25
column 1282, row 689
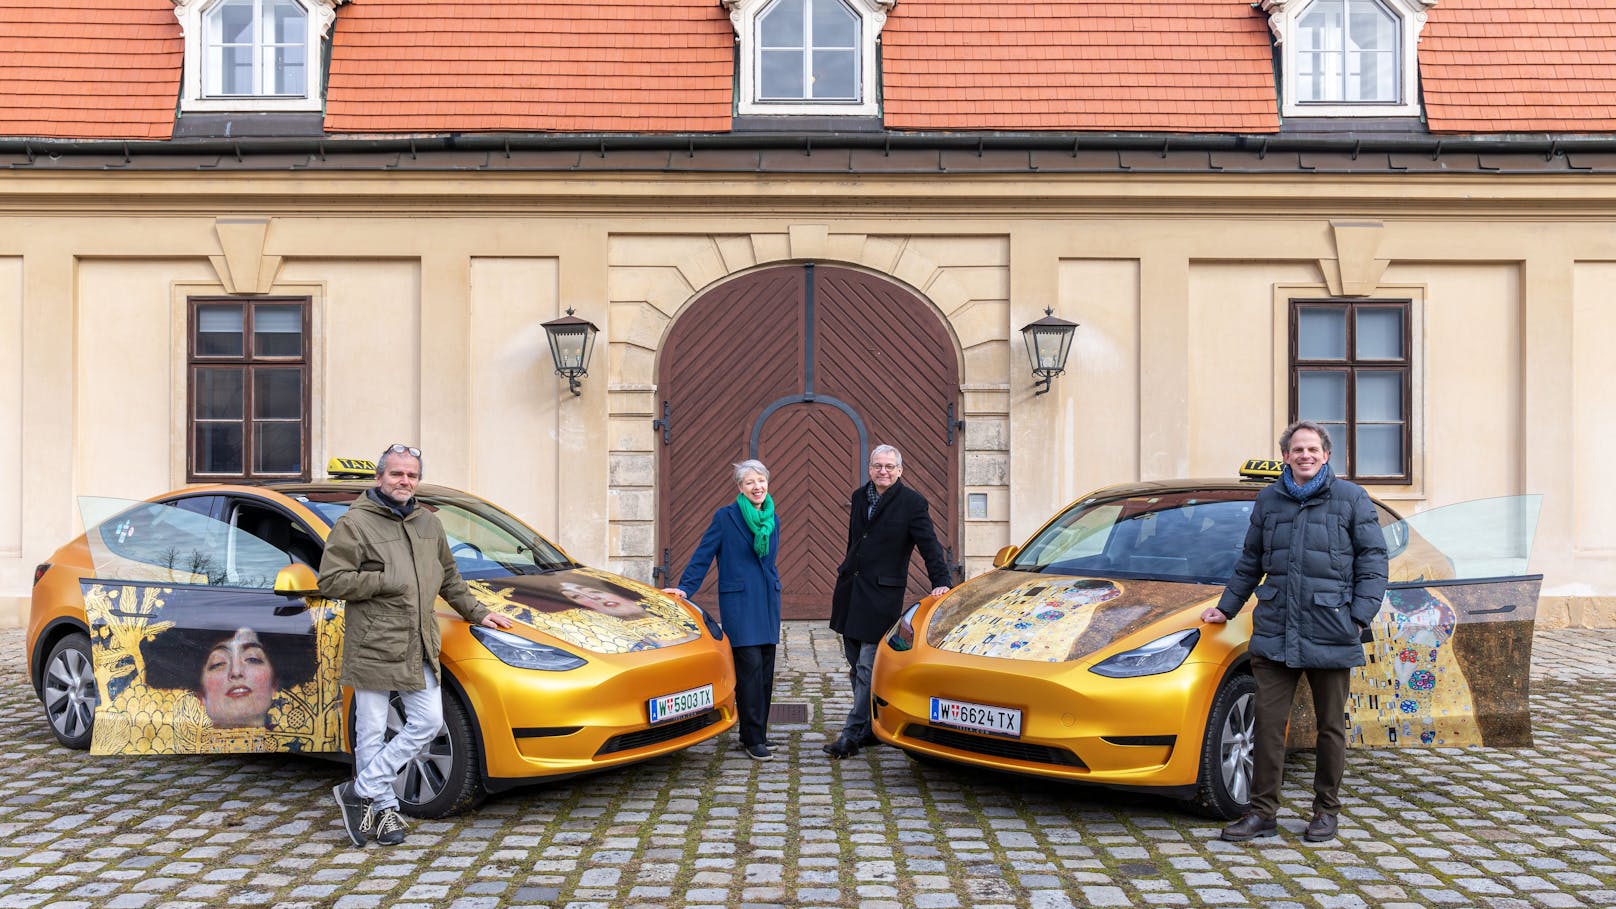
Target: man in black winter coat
column 1316, row 546
column 888, row 521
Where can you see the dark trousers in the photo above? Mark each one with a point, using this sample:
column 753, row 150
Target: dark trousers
column 1276, row 692
column 860, row 664
column 754, row 690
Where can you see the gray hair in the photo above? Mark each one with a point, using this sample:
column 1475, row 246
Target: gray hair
column 886, row 449
column 381, row 462
column 1285, row 437
column 751, row 465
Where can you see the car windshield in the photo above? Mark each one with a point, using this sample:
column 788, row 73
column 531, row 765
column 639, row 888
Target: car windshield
column 485, row 541
column 1192, row 535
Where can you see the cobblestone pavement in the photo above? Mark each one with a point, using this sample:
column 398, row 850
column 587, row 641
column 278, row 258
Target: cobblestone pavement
column 708, row 827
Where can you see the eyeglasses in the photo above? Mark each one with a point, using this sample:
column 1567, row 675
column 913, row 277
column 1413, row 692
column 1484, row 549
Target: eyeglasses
column 885, row 468
column 400, row 448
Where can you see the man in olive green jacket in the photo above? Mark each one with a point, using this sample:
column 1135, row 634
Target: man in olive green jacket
column 388, row 558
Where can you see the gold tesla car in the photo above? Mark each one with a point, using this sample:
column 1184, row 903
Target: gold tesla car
column 190, row 624
column 1082, row 656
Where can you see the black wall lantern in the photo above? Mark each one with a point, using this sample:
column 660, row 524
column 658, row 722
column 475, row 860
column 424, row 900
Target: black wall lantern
column 1049, row 340
column 571, row 341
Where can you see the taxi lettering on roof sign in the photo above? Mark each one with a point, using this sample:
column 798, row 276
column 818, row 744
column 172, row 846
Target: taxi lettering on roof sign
column 350, row 467
column 1261, row 469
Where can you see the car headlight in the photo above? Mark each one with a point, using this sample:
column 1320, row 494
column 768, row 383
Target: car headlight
column 525, row 654
column 902, row 635
column 1159, row 656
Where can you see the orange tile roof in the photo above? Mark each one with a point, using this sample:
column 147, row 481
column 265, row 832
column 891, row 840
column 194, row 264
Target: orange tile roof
column 606, row 65
column 91, row 69
column 1520, row 66
column 1162, row 65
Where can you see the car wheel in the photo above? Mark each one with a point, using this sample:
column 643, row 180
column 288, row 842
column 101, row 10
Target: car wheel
column 1227, row 748
column 445, row 777
column 69, row 692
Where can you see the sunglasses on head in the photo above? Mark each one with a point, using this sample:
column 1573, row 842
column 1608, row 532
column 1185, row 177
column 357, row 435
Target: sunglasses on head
column 400, row 448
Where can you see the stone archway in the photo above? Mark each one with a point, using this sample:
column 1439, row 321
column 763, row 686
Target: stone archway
column 804, row 366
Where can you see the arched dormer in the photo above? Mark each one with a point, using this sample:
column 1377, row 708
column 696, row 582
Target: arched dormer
column 1348, row 58
column 254, row 55
column 813, row 57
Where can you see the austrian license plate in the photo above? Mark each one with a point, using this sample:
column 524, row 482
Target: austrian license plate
column 684, row 703
column 976, row 717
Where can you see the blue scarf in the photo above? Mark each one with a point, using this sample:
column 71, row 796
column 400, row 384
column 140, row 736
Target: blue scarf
column 1306, row 490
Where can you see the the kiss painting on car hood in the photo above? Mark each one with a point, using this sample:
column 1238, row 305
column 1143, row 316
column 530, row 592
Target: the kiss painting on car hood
column 1053, row 618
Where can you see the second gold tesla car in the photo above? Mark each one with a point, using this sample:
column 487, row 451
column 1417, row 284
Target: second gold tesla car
column 1082, row 656
column 190, row 624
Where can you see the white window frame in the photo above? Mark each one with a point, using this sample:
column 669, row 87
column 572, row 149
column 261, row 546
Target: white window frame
column 1411, row 15
column 743, row 15
column 192, row 15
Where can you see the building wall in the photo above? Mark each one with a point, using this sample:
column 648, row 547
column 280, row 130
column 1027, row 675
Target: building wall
column 428, row 292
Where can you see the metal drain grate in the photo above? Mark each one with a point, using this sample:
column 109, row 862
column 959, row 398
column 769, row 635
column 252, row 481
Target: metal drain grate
column 788, row 714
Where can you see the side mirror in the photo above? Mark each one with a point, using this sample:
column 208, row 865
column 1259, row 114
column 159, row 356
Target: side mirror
column 1005, row 556
column 296, row 580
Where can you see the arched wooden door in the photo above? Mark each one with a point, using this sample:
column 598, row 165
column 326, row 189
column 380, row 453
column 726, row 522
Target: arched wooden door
column 805, row 367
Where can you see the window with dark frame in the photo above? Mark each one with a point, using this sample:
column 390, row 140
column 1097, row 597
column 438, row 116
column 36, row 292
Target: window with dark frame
column 248, row 372
column 1351, row 372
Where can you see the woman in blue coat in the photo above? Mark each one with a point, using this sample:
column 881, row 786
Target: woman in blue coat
column 744, row 536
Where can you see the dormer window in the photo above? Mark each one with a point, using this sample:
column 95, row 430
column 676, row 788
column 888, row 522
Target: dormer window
column 808, row 56
column 254, row 55
column 1348, row 58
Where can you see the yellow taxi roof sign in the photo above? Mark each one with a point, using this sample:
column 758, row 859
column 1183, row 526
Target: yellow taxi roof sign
column 1261, row 469
column 350, row 467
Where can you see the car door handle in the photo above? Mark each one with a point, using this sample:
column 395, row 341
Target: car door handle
column 1500, row 609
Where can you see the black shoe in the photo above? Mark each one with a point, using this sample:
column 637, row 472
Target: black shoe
column 390, row 827
column 869, row 741
column 358, row 816
column 1321, row 829
column 759, row 752
column 1250, row 827
column 843, row 747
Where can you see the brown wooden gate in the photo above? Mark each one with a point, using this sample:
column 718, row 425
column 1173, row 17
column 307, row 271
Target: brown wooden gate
column 806, row 368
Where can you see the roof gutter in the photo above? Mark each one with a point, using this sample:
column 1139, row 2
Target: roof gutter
column 1546, row 144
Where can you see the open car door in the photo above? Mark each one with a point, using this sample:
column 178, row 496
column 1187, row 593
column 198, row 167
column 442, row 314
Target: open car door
column 1450, row 663
column 204, row 638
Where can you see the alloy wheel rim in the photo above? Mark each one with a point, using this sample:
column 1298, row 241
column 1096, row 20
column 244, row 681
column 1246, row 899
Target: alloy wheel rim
column 70, row 695
column 1236, row 745
column 423, row 778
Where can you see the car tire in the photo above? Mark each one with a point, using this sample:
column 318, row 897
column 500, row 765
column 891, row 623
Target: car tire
column 1227, row 748
column 446, row 777
column 68, row 692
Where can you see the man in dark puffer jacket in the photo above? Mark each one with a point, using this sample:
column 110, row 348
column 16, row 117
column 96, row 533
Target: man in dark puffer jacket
column 1315, row 544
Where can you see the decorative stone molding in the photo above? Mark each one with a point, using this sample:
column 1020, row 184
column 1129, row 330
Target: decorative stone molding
column 323, row 11
column 741, row 11
column 1282, row 12
column 243, row 268
column 1357, row 272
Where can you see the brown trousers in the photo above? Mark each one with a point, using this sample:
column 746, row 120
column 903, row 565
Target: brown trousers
column 1276, row 693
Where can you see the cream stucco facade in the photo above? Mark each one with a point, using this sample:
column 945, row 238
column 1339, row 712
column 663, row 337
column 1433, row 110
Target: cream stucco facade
column 428, row 290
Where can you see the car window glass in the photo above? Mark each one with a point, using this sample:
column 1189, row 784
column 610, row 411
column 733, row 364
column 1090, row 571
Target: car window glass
column 1484, row 538
column 278, row 529
column 157, row 541
column 484, row 540
column 1186, row 536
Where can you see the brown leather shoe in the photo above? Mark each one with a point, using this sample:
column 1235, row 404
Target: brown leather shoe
column 1321, row 828
column 1250, row 827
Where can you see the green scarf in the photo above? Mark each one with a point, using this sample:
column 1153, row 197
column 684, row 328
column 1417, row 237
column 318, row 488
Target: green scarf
column 759, row 520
